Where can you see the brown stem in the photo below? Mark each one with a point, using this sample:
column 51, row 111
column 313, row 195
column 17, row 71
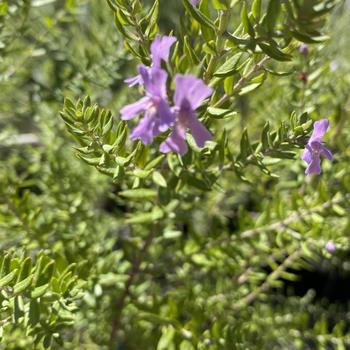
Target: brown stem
column 120, row 303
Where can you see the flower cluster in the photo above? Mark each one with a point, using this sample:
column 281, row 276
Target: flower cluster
column 190, row 92
column 159, row 116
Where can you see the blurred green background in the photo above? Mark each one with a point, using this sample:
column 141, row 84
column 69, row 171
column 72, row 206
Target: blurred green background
column 53, row 202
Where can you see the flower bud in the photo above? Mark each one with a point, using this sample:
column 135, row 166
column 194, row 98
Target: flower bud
column 304, row 49
column 330, row 247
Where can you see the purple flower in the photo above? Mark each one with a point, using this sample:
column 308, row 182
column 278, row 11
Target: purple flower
column 160, row 50
column 190, row 92
column 158, row 116
column 330, row 247
column 315, row 148
column 194, row 2
column 304, row 49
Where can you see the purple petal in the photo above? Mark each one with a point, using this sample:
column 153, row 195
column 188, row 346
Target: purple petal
column 146, row 130
column 160, row 49
column 176, row 142
column 327, row 153
column 132, row 110
column 154, row 80
column 194, row 2
column 132, row 81
column 320, row 128
column 157, row 120
column 199, row 131
column 307, row 155
column 314, row 166
column 191, row 89
column 166, row 116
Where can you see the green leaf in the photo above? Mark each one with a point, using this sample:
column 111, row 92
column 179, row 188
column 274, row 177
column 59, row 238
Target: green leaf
column 220, row 113
column 153, row 16
column 121, row 27
column 229, row 83
column 166, row 340
column 8, row 278
column 229, row 67
column 47, row 341
column 273, row 11
column 145, row 218
column 25, row 269
column 274, row 52
column 256, row 9
column 23, row 285
column 39, row 291
column 47, row 273
column 249, row 88
column 308, row 38
column 199, row 16
column 246, row 148
column 265, row 136
column 159, row 179
column 188, row 50
column 139, row 193
column 248, row 28
column 40, row 265
column 282, row 154
column 5, row 265
column 154, row 162
column 17, row 308
column 220, row 4
column 34, row 312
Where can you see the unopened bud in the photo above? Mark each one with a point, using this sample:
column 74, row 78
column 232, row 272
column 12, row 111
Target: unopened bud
column 330, row 247
column 304, row 49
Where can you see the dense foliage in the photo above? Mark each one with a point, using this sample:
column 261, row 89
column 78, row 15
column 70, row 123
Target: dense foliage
column 109, row 243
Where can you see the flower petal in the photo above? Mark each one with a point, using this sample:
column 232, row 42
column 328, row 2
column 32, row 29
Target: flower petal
column 166, row 116
column 146, row 130
column 199, row 131
column 320, row 128
column 327, row 153
column 132, row 81
column 190, row 89
column 307, row 155
column 160, row 49
column 132, row 110
column 314, row 166
column 154, row 80
column 176, row 142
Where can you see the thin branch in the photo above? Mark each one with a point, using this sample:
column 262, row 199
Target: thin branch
column 281, row 225
column 251, row 297
column 120, row 303
column 240, row 83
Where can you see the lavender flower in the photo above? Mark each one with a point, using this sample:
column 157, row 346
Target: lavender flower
column 189, row 94
column 330, row 247
column 304, row 49
column 194, row 2
column 160, row 50
column 158, row 116
column 315, row 148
